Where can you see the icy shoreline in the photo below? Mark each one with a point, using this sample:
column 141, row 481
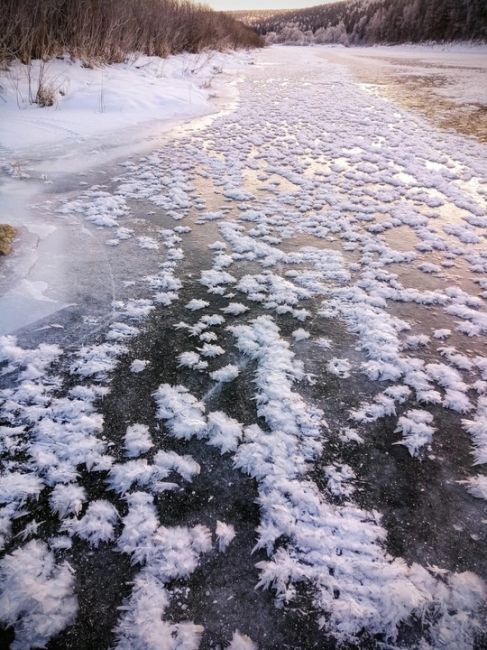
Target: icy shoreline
column 98, row 101
column 146, row 102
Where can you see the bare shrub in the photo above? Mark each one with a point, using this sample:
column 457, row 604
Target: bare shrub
column 7, row 236
column 45, row 96
column 42, row 87
column 106, row 31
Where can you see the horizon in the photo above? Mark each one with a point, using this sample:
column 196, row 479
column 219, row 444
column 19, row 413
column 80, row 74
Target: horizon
column 252, row 5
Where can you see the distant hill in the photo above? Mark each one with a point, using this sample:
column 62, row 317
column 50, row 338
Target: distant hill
column 373, row 21
column 257, row 16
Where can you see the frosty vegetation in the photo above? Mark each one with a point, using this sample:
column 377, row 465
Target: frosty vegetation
column 354, row 22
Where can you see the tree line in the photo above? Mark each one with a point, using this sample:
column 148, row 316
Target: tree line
column 106, row 31
column 376, row 21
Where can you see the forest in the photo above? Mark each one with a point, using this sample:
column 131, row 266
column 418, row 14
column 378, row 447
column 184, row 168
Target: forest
column 106, row 31
column 354, row 22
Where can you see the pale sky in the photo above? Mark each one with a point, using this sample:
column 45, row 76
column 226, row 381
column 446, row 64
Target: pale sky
column 235, row 5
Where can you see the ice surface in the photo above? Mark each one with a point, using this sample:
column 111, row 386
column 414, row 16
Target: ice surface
column 324, row 287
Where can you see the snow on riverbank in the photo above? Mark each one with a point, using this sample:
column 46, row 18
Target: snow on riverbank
column 91, row 101
column 99, row 114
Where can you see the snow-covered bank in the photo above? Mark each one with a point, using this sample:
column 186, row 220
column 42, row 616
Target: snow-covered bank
column 93, row 101
column 99, row 115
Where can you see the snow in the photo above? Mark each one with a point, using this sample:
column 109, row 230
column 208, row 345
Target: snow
column 196, row 304
column 137, row 440
column 324, row 343
column 208, row 337
column 182, row 411
column 226, row 373
column 338, row 480
column 18, row 487
column 37, row 595
column 138, row 365
column 95, row 101
column 165, row 554
column 142, row 626
column 97, row 525
column 97, row 360
column 477, row 428
column 149, row 243
column 477, row 486
column 123, row 476
column 168, row 461
column 214, row 278
column 192, row 360
column 210, row 350
column 267, row 458
column 67, row 499
column 121, row 332
column 382, row 406
column 347, row 435
column 241, row 642
column 339, row 367
column 34, row 362
column 223, row 432
column 98, row 207
column 235, row 309
column 277, row 369
column 225, row 534
column 417, row 430
column 300, row 335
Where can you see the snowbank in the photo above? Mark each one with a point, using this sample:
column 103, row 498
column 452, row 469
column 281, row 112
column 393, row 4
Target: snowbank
column 91, row 101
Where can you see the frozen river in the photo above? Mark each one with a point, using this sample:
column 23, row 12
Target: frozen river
column 252, row 355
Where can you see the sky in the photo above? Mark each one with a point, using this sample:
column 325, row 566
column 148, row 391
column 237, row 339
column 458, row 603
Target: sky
column 235, row 5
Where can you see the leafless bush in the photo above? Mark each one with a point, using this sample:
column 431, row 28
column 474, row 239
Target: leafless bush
column 45, row 96
column 42, row 87
column 106, row 31
column 7, row 235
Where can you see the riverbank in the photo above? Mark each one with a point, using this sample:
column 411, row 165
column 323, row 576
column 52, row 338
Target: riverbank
column 89, row 102
column 62, row 149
